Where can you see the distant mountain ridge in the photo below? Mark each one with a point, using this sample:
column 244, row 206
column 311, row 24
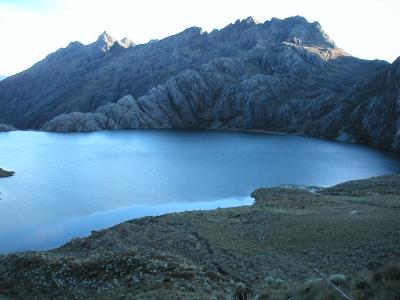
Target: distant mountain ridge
column 105, row 41
column 2, row 77
column 81, row 78
column 283, row 75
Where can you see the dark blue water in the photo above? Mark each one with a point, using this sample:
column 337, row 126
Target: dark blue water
column 68, row 184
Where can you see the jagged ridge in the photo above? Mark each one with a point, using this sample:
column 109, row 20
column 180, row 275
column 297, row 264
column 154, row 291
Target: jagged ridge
column 82, row 78
column 283, row 75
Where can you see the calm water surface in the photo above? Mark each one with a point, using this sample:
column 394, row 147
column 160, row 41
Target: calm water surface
column 69, row 184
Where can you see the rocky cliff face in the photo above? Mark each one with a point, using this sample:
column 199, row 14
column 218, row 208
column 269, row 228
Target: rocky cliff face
column 368, row 112
column 314, row 100
column 5, row 128
column 82, row 78
column 285, row 75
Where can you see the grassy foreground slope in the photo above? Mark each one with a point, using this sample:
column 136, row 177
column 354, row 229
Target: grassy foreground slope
column 269, row 250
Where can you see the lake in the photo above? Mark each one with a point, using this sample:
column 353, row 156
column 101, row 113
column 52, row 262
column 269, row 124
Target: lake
column 67, row 184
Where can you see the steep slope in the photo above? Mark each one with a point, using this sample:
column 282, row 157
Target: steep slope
column 82, row 78
column 29, row 97
column 312, row 100
column 368, row 113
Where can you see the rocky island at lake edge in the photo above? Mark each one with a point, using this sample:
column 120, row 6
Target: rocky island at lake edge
column 5, row 173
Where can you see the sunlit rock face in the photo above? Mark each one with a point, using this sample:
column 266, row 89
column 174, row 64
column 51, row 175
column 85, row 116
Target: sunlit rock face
column 284, row 75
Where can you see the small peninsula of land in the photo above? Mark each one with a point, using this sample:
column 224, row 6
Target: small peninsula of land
column 4, row 173
column 275, row 249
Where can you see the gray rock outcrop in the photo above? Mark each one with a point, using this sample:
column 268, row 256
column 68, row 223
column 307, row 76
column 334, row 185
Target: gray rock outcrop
column 5, row 128
column 219, row 96
column 280, row 75
column 82, row 78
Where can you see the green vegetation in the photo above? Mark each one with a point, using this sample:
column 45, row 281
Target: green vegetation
column 270, row 250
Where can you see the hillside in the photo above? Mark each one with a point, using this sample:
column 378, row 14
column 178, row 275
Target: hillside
column 82, row 78
column 280, row 75
column 269, row 249
column 218, row 96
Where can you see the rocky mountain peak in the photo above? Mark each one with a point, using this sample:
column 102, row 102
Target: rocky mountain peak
column 193, row 31
column 299, row 30
column 105, row 41
column 396, row 63
column 244, row 23
column 251, row 21
column 185, row 36
column 126, row 43
column 75, row 44
column 297, row 19
column 396, row 68
column 105, row 36
column 295, row 30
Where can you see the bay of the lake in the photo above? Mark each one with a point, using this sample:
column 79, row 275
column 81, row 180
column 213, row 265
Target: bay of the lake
column 67, row 184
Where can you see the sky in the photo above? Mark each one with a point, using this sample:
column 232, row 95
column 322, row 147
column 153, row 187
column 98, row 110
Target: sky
column 31, row 29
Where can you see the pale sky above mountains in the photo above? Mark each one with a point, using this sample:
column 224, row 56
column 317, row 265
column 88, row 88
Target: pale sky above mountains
column 31, row 29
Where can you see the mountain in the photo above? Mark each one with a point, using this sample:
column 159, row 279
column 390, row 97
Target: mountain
column 82, row 78
column 282, row 75
column 218, row 97
column 367, row 113
column 2, row 77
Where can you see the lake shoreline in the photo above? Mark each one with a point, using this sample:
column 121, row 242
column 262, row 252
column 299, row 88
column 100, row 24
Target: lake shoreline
column 275, row 245
column 60, row 190
column 261, row 131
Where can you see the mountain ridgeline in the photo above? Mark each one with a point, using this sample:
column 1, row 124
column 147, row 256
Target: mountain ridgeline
column 280, row 75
